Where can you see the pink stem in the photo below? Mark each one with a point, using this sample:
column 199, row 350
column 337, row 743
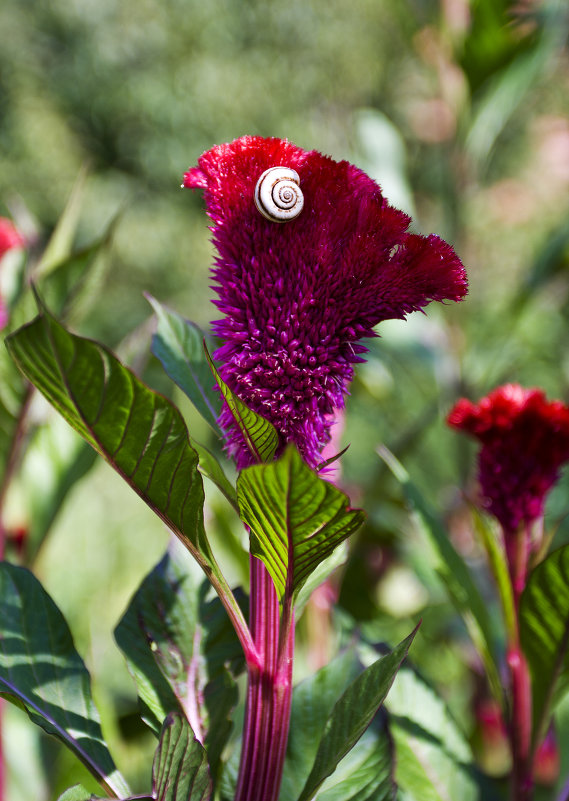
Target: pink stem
column 269, row 695
column 517, row 548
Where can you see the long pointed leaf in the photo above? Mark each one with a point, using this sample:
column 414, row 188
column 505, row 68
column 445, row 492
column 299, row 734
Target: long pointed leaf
column 139, row 432
column 352, row 714
column 544, row 633
column 180, row 771
column 260, row 435
column 178, row 345
column 295, row 517
column 454, row 573
column 40, row 668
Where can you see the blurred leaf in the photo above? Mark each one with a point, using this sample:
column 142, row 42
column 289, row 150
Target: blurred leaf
column 296, row 518
column 365, row 774
column 180, row 771
column 78, row 793
column 210, row 468
column 40, row 668
column 433, row 761
column 337, row 558
column 312, row 703
column 183, row 653
column 493, row 545
column 454, row 573
column 259, row 434
column 352, row 714
column 178, row 345
column 61, row 242
column 544, row 635
column 552, row 260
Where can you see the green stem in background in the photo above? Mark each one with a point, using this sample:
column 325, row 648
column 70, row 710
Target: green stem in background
column 517, row 549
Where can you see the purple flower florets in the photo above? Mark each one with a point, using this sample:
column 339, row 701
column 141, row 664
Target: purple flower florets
column 297, row 297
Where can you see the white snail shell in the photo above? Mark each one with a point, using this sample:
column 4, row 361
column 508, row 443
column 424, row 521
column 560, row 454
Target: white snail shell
column 278, row 195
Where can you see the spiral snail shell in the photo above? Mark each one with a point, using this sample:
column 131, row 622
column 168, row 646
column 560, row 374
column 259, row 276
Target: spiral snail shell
column 278, row 195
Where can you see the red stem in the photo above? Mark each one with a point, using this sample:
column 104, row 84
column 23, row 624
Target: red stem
column 269, row 695
column 517, row 548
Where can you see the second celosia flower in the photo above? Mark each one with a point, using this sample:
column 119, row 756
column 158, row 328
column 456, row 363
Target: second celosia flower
column 297, row 297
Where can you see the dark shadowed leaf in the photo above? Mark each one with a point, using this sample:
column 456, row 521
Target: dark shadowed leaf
column 40, row 669
column 178, row 345
column 180, row 771
column 260, row 435
column 352, row 714
column 366, row 773
column 183, row 652
column 295, row 517
column 544, row 632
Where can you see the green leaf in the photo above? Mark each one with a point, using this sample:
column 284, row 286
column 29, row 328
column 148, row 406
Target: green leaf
column 544, row 634
column 296, row 518
column 139, row 432
column 352, row 714
column 210, row 468
column 454, row 573
column 312, row 703
column 40, row 668
column 365, row 774
column 260, row 435
column 182, row 652
column 178, row 345
column 336, row 559
column 180, row 771
column 433, row 761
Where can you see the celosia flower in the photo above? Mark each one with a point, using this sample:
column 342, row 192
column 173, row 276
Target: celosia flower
column 298, row 297
column 10, row 238
column 525, row 442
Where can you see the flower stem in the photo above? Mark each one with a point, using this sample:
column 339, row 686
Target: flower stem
column 269, row 694
column 517, row 546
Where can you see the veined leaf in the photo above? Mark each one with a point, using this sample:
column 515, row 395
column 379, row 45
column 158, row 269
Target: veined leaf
column 366, row 773
column 180, row 771
column 544, row 633
column 139, row 432
column 352, row 714
column 260, row 435
column 454, row 573
column 178, row 345
column 182, row 652
column 295, row 517
column 433, row 761
column 42, row 671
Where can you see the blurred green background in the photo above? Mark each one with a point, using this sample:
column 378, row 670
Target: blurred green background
column 459, row 109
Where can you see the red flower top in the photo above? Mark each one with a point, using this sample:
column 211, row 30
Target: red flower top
column 297, row 296
column 525, row 441
column 10, row 238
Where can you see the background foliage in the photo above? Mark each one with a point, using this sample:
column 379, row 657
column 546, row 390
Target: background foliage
column 459, row 110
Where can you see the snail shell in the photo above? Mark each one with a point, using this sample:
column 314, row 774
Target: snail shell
column 278, row 195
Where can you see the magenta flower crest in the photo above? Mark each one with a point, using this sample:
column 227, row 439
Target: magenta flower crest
column 298, row 297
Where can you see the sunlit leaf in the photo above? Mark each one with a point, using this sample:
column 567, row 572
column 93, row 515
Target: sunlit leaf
column 139, row 432
column 260, row 435
column 210, row 468
column 178, row 344
column 296, row 518
column 352, row 714
column 41, row 670
column 180, row 771
column 544, row 633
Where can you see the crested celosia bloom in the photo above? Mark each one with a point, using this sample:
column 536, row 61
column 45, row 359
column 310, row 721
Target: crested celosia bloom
column 10, row 238
column 525, row 442
column 298, row 297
